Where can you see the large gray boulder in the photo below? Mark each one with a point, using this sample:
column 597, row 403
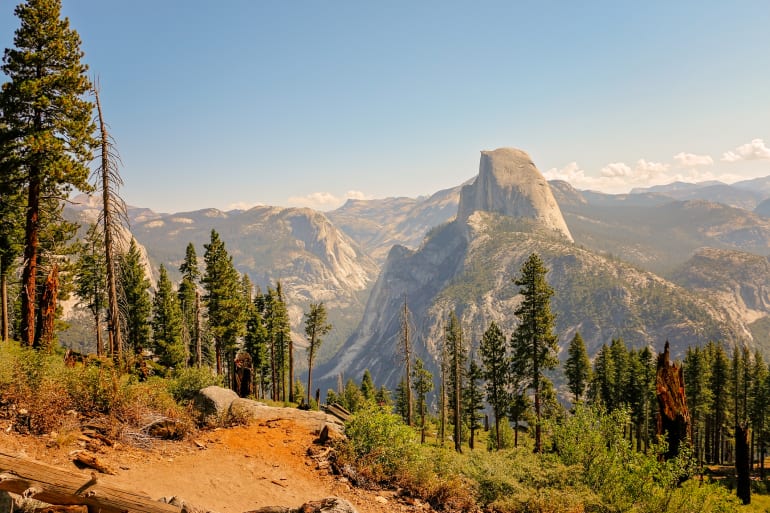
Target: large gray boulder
column 214, row 402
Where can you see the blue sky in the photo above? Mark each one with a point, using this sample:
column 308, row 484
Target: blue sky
column 233, row 103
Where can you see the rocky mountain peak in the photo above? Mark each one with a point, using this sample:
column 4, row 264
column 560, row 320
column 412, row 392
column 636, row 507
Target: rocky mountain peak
column 508, row 183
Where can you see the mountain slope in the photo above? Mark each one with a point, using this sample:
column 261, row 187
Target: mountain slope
column 468, row 265
column 300, row 247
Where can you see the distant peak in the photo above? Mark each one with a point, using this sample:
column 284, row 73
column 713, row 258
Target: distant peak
column 508, row 183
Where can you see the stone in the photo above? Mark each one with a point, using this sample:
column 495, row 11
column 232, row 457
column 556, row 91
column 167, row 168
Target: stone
column 213, row 401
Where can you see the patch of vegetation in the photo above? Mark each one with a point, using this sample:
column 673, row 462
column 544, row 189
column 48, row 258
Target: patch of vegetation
column 40, row 394
column 591, row 468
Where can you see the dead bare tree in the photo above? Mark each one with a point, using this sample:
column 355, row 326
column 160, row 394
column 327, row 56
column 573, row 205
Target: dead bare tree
column 113, row 217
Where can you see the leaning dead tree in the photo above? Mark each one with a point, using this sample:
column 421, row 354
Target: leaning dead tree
column 113, row 217
column 673, row 415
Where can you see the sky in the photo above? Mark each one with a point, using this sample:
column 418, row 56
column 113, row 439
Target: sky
column 236, row 103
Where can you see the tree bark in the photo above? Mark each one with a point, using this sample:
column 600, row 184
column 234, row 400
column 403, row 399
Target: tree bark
column 674, row 417
column 4, row 299
column 47, row 309
column 55, row 486
column 742, row 465
column 29, row 275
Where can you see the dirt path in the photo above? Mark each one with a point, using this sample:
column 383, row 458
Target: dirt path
column 225, row 470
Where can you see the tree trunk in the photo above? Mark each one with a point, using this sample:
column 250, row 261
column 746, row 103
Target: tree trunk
column 742, row 460
column 198, row 344
column 44, row 335
column 55, row 486
column 291, row 372
column 113, row 317
column 29, row 275
column 4, row 300
column 674, row 417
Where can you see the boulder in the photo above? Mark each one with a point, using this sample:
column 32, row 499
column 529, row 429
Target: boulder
column 312, row 420
column 328, row 505
column 213, row 402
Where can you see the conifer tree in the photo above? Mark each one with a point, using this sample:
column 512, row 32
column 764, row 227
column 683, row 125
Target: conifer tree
column 136, row 305
column 189, row 304
column 167, row 324
column 720, row 371
column 405, row 347
column 496, row 373
column 473, row 399
column 278, row 330
column 453, row 338
column 91, row 280
column 255, row 343
column 316, row 327
column 535, row 329
column 47, row 127
column 697, row 373
column 577, row 368
column 224, row 299
column 368, row 389
column 422, row 380
column 759, row 401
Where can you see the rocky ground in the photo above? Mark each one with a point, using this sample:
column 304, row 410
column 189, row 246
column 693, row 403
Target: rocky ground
column 227, row 470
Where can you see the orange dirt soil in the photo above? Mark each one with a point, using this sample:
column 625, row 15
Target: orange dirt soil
column 224, row 470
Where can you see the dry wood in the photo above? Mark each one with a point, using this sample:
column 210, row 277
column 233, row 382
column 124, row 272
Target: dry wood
column 61, row 509
column 673, row 417
column 91, row 460
column 56, row 486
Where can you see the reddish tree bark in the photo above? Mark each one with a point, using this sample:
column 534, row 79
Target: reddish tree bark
column 673, row 415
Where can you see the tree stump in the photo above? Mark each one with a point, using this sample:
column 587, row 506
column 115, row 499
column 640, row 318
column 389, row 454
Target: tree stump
column 742, row 465
column 673, row 415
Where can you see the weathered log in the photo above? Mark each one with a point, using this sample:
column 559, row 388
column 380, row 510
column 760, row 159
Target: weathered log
column 742, row 466
column 56, row 486
column 673, row 415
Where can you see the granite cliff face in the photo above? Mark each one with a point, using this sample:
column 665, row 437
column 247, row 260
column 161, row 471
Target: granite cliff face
column 509, row 184
column 468, row 266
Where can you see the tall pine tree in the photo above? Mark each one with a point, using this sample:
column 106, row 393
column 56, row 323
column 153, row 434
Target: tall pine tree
column 167, row 324
column 577, row 368
column 136, row 305
column 496, row 374
column 535, row 330
column 48, row 130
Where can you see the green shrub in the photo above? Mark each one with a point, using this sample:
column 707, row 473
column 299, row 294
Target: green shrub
column 185, row 383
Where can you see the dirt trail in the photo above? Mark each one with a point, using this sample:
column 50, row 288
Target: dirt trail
column 226, row 470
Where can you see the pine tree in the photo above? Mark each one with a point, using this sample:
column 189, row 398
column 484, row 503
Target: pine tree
column 720, row 371
column 405, row 347
column 255, row 343
column 189, row 304
column 457, row 356
column 91, row 280
column 577, row 368
column 473, row 400
column 167, row 324
column 47, row 127
column 602, row 384
column 422, row 381
column 535, row 329
column 758, row 404
column 278, row 331
column 496, row 373
column 367, row 387
column 697, row 374
column 136, row 305
column 316, row 327
column 224, row 300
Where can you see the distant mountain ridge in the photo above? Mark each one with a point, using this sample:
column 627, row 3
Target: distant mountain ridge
column 468, row 266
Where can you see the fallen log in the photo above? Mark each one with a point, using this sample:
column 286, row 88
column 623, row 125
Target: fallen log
column 63, row 488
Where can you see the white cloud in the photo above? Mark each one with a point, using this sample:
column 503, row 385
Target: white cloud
column 692, row 160
column 616, row 170
column 755, row 150
column 325, row 200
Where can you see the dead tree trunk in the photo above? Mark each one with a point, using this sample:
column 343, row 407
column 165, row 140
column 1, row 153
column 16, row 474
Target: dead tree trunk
column 47, row 310
column 55, row 486
column 673, row 415
column 742, row 466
